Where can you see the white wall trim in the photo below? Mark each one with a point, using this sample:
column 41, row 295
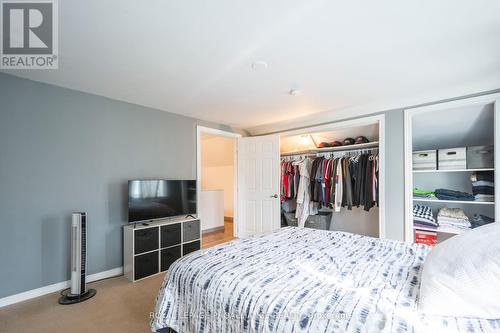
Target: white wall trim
column 496, row 152
column 408, row 165
column 382, row 229
column 202, row 129
column 408, row 148
column 214, row 131
column 57, row 287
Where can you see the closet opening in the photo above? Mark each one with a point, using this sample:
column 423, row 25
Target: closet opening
column 450, row 153
column 345, row 188
column 217, row 184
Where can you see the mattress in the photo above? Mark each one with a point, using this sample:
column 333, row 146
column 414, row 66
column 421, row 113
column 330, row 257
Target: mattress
column 302, row 280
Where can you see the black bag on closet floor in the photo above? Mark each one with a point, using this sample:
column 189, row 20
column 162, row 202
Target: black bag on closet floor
column 321, row 221
column 291, row 220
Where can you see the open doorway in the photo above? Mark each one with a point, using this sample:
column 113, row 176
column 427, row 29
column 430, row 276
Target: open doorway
column 217, row 195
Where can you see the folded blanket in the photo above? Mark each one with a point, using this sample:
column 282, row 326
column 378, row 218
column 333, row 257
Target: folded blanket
column 452, row 218
column 442, row 224
column 483, row 190
column 423, row 213
column 445, row 194
column 452, row 229
column 421, row 225
column 425, row 223
column 457, row 213
column 445, row 219
column 485, row 197
column 458, row 222
column 483, row 183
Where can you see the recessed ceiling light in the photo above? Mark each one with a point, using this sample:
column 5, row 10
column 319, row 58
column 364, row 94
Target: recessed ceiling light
column 295, row 92
column 259, row 65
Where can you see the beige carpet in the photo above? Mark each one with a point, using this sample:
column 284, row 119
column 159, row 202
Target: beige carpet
column 119, row 306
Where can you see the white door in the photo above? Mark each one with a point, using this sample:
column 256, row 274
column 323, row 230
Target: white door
column 258, row 185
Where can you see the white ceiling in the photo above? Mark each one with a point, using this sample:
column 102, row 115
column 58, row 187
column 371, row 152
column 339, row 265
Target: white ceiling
column 194, row 57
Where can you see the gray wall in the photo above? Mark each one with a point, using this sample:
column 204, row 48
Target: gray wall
column 63, row 151
column 357, row 221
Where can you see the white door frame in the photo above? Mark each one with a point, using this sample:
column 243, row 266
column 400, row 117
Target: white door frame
column 408, row 149
column 370, row 120
column 208, row 130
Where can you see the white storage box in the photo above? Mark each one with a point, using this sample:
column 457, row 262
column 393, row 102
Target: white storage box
column 424, row 160
column 480, row 157
column 452, row 159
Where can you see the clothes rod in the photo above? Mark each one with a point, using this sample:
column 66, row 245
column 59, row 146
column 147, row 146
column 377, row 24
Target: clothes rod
column 333, row 149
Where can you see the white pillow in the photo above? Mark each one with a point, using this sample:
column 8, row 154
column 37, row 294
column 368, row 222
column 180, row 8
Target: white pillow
column 461, row 276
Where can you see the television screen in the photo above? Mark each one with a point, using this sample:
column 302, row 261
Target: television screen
column 156, row 199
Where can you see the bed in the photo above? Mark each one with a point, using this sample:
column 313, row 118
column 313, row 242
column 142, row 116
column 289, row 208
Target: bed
column 302, row 280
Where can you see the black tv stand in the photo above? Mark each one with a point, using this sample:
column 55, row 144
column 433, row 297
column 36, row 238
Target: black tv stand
column 151, row 249
column 191, row 216
column 146, row 224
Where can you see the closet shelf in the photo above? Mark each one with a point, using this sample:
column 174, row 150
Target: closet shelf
column 455, row 170
column 455, row 201
column 439, row 231
column 360, row 146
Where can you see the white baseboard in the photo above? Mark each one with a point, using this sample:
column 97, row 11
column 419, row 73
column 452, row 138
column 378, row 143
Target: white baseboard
column 56, row 287
column 206, row 231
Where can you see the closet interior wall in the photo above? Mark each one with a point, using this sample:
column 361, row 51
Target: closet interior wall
column 357, row 220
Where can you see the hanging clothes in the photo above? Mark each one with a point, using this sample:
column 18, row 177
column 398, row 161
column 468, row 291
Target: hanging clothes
column 317, row 179
column 347, row 198
column 347, row 181
column 368, row 190
column 289, row 180
column 339, row 187
column 303, row 192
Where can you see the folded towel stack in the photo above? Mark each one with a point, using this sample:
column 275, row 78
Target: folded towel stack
column 452, row 220
column 423, row 218
column 445, row 194
column 483, row 186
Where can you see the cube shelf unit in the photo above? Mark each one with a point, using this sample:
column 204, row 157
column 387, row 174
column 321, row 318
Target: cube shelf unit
column 151, row 249
column 461, row 123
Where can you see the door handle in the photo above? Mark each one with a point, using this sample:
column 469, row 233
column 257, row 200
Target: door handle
column 275, row 196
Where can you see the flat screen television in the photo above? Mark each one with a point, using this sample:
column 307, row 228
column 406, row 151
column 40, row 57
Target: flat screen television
column 156, row 199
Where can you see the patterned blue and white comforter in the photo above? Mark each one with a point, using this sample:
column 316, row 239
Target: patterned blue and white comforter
column 302, row 280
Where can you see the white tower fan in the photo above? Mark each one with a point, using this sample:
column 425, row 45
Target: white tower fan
column 78, row 291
